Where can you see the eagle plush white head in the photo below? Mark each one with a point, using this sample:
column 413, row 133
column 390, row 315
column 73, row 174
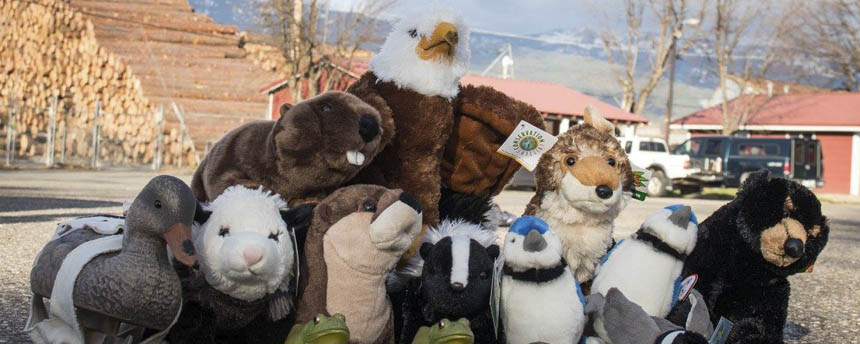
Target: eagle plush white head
column 427, row 51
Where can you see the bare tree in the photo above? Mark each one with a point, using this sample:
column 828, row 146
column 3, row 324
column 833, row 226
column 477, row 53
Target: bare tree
column 319, row 49
column 625, row 52
column 828, row 34
column 749, row 40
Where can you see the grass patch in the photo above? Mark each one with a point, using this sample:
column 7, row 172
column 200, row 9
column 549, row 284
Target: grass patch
column 720, row 194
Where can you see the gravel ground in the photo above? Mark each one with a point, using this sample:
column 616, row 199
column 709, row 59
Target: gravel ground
column 824, row 307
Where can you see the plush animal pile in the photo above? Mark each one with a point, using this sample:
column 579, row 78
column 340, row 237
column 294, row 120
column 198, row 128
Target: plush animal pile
column 581, row 183
column 365, row 217
column 247, row 257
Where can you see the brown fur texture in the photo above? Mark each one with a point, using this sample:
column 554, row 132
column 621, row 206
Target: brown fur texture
column 485, row 118
column 773, row 239
column 300, row 156
column 568, row 178
column 412, row 160
column 339, row 242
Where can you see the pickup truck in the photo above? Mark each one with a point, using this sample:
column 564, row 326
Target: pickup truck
column 728, row 160
column 668, row 171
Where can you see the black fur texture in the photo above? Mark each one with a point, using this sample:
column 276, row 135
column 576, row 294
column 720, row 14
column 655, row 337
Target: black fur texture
column 734, row 278
column 431, row 298
column 469, row 208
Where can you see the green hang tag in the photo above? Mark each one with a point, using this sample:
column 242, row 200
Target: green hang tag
column 641, row 177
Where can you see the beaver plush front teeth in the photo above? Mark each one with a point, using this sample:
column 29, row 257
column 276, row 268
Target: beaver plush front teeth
column 355, row 157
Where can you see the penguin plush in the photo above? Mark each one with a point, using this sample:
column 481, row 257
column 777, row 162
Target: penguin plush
column 647, row 266
column 541, row 300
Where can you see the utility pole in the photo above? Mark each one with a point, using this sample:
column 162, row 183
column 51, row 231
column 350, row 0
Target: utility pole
column 671, row 99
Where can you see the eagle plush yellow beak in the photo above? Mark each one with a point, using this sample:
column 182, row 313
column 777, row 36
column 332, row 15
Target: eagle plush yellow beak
column 440, row 45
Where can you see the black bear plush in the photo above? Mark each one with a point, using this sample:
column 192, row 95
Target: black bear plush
column 457, row 272
column 746, row 250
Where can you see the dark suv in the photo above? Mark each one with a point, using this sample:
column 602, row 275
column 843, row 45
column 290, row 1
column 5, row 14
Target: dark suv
column 728, row 160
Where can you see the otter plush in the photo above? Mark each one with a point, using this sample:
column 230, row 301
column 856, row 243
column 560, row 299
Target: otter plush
column 314, row 147
column 247, row 263
column 357, row 236
column 747, row 249
column 581, row 186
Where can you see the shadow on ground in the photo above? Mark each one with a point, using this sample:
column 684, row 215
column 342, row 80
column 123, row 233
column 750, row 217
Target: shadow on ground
column 21, row 203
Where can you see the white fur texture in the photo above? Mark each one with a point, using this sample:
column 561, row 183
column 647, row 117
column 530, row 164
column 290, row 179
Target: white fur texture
column 251, row 216
column 520, row 260
column 681, row 239
column 548, row 312
column 460, row 250
column 645, row 275
column 397, row 61
column 585, row 234
column 448, row 228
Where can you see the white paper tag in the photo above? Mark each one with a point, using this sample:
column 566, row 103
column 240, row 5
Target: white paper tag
column 526, row 144
column 686, row 286
column 641, row 177
column 496, row 293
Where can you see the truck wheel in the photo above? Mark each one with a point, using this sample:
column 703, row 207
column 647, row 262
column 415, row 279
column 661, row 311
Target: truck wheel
column 657, row 184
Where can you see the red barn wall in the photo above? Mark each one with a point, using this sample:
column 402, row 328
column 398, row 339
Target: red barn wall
column 836, row 161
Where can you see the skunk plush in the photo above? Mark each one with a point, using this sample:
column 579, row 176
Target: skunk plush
column 455, row 270
column 247, row 260
column 541, row 301
column 647, row 266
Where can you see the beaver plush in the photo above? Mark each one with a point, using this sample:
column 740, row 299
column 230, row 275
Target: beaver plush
column 309, row 151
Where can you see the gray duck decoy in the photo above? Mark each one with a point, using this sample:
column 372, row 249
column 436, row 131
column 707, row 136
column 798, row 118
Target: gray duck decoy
column 136, row 285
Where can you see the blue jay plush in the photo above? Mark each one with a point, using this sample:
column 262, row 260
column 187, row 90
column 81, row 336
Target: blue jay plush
column 541, row 300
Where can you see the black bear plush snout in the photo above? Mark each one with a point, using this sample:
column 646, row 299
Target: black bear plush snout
column 604, row 192
column 368, row 128
column 793, row 248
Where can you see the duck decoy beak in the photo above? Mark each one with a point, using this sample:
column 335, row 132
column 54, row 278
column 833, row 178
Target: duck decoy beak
column 178, row 239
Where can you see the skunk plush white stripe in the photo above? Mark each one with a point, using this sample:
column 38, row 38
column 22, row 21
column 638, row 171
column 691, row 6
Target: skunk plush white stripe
column 460, row 259
column 460, row 252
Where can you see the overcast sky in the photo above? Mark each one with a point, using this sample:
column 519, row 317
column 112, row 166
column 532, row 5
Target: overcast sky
column 520, row 16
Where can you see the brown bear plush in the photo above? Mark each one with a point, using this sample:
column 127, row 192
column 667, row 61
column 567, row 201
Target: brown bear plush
column 581, row 183
column 314, row 147
column 357, row 235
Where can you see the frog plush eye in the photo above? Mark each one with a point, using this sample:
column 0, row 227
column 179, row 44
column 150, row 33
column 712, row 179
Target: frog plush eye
column 317, row 319
column 441, row 324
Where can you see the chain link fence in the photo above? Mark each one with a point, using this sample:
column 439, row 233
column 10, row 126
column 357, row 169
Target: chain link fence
column 65, row 135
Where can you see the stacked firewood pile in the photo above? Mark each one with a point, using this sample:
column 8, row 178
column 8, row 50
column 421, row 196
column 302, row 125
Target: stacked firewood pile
column 49, row 51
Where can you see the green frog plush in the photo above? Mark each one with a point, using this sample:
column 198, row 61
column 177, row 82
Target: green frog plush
column 445, row 332
column 322, row 330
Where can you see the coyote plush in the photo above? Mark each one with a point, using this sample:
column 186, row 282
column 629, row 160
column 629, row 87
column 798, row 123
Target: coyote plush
column 581, row 184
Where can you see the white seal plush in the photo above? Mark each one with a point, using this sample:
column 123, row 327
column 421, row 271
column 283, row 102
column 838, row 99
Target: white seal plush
column 247, row 255
column 647, row 266
column 541, row 299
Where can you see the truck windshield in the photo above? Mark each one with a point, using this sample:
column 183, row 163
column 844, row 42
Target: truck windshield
column 689, row 147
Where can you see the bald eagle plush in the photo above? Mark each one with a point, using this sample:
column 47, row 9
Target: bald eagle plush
column 444, row 135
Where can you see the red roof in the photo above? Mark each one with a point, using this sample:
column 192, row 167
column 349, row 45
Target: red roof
column 552, row 98
column 810, row 109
